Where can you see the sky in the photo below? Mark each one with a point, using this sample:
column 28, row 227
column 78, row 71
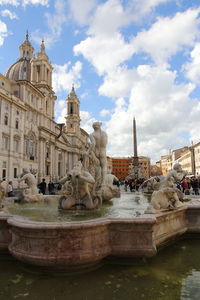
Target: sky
column 126, row 58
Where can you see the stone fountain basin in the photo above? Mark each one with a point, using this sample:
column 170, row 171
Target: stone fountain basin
column 76, row 245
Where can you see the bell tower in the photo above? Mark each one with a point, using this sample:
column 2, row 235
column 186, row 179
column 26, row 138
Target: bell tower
column 41, row 77
column 41, row 69
column 73, row 113
column 26, row 49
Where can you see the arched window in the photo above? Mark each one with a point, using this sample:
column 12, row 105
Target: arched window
column 16, row 124
column 6, row 120
column 71, row 108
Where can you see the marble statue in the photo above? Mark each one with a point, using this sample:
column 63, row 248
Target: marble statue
column 167, row 195
column 77, row 190
column 99, row 141
column 164, row 199
column 2, row 195
column 111, row 188
column 88, row 184
column 31, row 193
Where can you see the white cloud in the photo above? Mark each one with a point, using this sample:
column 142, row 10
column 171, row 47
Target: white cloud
column 169, row 35
column 86, row 121
column 65, row 75
column 9, row 2
column 139, row 9
column 9, row 14
column 192, row 68
column 55, row 22
column 104, row 113
column 35, row 2
column 80, row 10
column 3, row 32
column 118, row 82
column 105, row 53
column 163, row 111
column 108, row 18
column 60, row 111
column 24, row 2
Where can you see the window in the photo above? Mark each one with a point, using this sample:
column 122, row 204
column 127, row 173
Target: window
column 5, row 141
column 17, row 124
column 47, row 152
column 16, row 145
column 15, row 172
column 6, row 120
column 37, row 73
column 4, row 174
column 47, row 170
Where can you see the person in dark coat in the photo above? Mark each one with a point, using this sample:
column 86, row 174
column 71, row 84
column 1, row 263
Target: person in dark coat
column 42, row 186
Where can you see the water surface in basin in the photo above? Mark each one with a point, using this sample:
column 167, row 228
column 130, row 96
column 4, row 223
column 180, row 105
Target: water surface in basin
column 174, row 274
column 129, row 205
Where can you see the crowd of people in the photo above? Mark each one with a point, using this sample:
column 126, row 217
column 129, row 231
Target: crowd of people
column 133, row 184
column 190, row 185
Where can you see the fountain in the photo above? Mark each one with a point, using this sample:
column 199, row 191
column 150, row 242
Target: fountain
column 124, row 230
column 86, row 187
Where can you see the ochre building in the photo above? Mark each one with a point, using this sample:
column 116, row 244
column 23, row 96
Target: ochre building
column 122, row 165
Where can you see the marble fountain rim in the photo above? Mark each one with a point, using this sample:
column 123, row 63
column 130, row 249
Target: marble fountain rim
column 25, row 222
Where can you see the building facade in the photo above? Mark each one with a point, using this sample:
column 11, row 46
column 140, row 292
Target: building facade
column 166, row 164
column 29, row 135
column 121, row 166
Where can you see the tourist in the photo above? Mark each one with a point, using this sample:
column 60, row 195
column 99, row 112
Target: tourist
column 42, row 186
column 195, row 185
column 125, row 185
column 10, row 189
column 186, row 185
column 51, row 187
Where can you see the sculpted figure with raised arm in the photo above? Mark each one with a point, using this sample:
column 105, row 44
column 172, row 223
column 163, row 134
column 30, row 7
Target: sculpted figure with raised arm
column 99, row 141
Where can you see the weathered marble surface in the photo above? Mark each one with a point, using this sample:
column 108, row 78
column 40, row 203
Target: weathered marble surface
column 2, row 195
column 5, row 234
column 88, row 185
column 167, row 196
column 31, row 193
column 76, row 245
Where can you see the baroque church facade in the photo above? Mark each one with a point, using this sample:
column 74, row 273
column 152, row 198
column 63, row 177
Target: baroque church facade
column 29, row 135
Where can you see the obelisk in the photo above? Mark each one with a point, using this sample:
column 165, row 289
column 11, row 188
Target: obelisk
column 135, row 157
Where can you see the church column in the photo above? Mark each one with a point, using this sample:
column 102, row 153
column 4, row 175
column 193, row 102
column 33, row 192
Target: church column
column 70, row 161
column 56, row 161
column 41, row 173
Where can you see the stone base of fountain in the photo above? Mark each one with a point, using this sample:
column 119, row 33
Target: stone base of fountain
column 76, row 245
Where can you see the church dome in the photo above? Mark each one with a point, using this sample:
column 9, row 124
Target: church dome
column 21, row 70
